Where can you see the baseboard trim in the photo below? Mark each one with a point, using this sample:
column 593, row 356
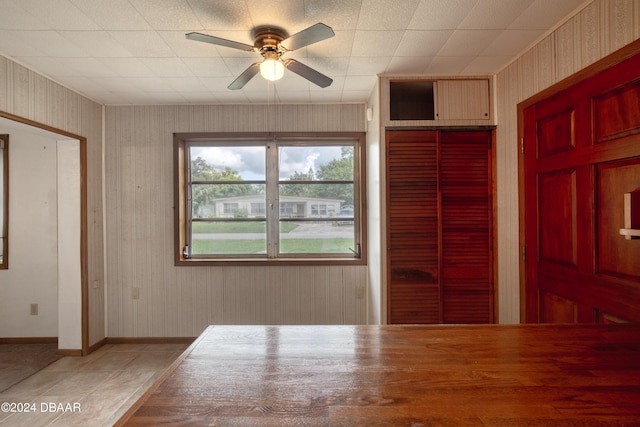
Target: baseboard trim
column 150, row 340
column 29, row 340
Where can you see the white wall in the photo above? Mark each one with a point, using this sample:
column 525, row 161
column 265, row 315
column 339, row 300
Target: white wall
column 171, row 301
column 32, row 277
column 44, row 238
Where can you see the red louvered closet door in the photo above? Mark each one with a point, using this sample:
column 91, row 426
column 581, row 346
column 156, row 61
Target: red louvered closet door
column 439, row 227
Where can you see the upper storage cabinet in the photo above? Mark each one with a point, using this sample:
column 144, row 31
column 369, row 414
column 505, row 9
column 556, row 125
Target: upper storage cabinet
column 436, row 102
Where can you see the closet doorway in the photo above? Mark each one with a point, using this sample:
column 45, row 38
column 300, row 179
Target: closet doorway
column 440, row 226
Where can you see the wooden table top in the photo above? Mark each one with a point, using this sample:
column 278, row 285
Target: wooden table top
column 401, row 376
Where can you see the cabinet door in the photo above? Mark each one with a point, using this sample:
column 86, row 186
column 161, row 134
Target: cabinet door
column 462, row 100
column 412, row 227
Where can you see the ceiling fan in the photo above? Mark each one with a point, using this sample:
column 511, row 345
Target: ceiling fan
column 272, row 43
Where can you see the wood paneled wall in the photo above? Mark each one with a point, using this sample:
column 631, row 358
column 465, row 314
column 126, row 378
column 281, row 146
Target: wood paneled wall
column 597, row 30
column 182, row 301
column 31, row 96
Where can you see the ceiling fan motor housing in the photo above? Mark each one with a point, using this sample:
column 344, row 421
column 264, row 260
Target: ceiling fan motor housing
column 267, row 39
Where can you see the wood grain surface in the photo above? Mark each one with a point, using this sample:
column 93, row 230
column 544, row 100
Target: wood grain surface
column 499, row 375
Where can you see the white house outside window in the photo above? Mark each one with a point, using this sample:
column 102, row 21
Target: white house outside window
column 267, row 198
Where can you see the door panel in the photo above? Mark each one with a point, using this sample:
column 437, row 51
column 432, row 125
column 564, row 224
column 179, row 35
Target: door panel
column 616, row 255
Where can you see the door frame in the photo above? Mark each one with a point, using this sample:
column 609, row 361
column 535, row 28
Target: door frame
column 84, row 288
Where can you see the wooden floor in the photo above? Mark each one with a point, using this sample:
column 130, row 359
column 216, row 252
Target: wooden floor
column 498, row 375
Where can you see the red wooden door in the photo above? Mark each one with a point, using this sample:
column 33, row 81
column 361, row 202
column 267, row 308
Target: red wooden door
column 582, row 154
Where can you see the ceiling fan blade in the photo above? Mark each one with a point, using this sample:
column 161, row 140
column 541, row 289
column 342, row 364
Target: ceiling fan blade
column 218, row 41
column 246, row 75
column 313, row 34
column 308, row 73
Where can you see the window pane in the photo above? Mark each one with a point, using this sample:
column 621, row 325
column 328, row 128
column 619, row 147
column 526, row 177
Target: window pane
column 316, row 237
column 231, row 200
column 228, row 237
column 314, row 200
column 228, row 163
column 316, row 163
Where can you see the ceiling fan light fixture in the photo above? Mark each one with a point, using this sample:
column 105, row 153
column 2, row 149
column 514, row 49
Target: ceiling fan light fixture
column 272, row 69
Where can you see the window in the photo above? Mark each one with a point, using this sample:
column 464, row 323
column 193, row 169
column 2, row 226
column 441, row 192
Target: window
column 269, row 199
column 4, row 202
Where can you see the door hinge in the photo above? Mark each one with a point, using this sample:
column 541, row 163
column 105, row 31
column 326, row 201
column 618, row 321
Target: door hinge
column 524, row 254
column 522, row 145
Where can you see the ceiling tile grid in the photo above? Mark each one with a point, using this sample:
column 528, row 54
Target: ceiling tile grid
column 135, row 51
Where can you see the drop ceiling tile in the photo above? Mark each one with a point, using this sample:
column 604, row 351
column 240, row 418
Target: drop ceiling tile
column 493, row 14
column 339, row 45
column 448, row 65
column 409, row 64
column 127, row 67
column 167, row 14
column 355, row 96
column 79, row 67
column 113, row 14
column 537, row 15
column 440, row 15
column 333, row 67
column 486, row 64
column 360, row 83
column 116, row 84
column 14, row 17
column 216, row 83
column 167, row 67
column 13, row 44
column 207, row 67
column 185, row 48
column 287, row 14
column 144, row 84
column 222, row 14
column 143, row 44
column 55, row 67
column 52, row 44
column 512, row 42
column 101, row 43
column 367, row 65
column 59, row 14
column 338, row 14
column 237, row 65
column 376, row 43
column 183, row 84
column 385, row 14
column 422, row 43
column 468, row 42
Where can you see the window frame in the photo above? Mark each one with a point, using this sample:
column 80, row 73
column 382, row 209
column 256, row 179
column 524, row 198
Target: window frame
column 182, row 220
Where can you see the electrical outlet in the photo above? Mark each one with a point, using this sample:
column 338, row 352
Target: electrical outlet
column 96, row 284
column 135, row 293
column 34, row 309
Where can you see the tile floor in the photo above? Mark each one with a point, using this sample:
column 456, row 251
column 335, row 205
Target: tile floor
column 87, row 391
